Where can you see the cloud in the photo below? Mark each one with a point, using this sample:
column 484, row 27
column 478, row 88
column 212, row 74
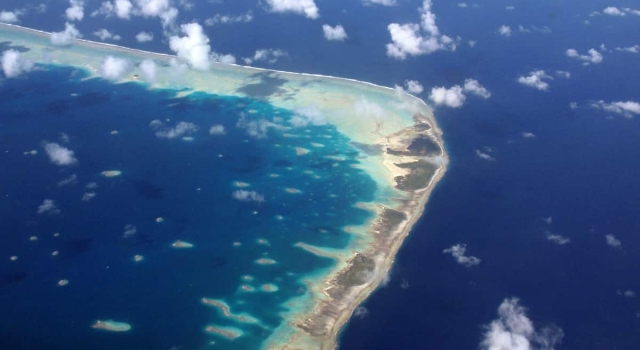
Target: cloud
column 463, row 5
column 13, row 64
column 563, row 74
column 613, row 241
column 114, row 68
column 626, row 293
column 510, row 8
column 437, row 160
column 625, row 108
column 271, row 56
column 71, row 180
column 458, row 252
column 593, row 56
column 66, row 36
column 418, row 39
column 75, row 12
column 225, row 59
column 504, row 31
column 336, row 33
column 380, row 2
column 528, row 135
column 631, row 49
column 129, row 230
column 535, row 80
column 144, row 37
column 248, row 196
column 360, row 312
column 88, row 196
column 485, row 156
column 10, row 16
column 306, row 116
column 254, row 128
column 573, row 105
column 451, row 97
column 366, row 109
column 217, row 130
column 413, row 87
column 123, row 8
column 48, row 207
column 306, row 7
column 181, row 128
column 148, row 70
column 193, row 47
column 227, row 19
column 104, row 34
column 59, row 155
column 513, row 330
column 613, row 11
column 557, row 239
column 474, row 87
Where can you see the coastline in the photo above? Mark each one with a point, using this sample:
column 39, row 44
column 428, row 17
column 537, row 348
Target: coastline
column 378, row 241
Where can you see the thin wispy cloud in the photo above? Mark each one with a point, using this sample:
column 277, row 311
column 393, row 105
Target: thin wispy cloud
column 248, row 196
column 557, row 239
column 625, row 108
column 179, row 130
column 48, row 207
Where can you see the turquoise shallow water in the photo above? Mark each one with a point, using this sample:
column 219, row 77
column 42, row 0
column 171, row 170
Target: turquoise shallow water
column 190, row 184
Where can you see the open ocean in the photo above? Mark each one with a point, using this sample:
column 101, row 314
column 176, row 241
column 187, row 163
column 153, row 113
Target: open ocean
column 581, row 170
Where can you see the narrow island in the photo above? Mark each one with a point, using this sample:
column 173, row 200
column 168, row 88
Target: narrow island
column 400, row 147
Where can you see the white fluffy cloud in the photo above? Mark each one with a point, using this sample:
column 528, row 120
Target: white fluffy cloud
column 48, row 207
column 304, row 7
column 557, row 239
column 625, row 108
column 592, row 56
column 228, row 19
column 221, row 58
column 114, row 68
column 254, row 128
column 194, row 47
column 614, row 11
column 104, row 34
column 66, row 36
column 413, row 87
column 75, row 12
column 513, row 330
column 418, row 39
column 306, row 116
column 181, row 128
column 613, row 241
column 59, row 155
column 216, row 130
column 270, row 56
column 9, row 16
column 474, row 87
column 504, row 31
column 630, row 49
column 535, row 79
column 144, row 37
column 148, row 70
column 336, row 33
column 13, row 64
column 248, row 196
column 380, row 2
column 451, row 97
column 458, row 252
column 563, row 74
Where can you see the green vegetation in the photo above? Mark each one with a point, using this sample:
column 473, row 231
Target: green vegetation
column 391, row 219
column 418, row 178
column 358, row 273
column 421, row 146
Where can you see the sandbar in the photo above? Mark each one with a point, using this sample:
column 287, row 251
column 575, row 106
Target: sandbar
column 181, row 244
column 111, row 173
column 111, row 326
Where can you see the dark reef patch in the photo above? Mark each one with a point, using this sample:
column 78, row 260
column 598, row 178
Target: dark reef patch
column 419, row 177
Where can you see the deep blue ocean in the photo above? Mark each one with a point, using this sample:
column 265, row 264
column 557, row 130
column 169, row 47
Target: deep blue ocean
column 581, row 169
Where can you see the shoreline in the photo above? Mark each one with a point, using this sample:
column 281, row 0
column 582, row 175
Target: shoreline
column 379, row 241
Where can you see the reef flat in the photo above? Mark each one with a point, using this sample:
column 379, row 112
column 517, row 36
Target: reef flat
column 399, row 146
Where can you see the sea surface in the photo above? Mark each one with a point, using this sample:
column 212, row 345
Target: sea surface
column 189, row 181
column 581, row 170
